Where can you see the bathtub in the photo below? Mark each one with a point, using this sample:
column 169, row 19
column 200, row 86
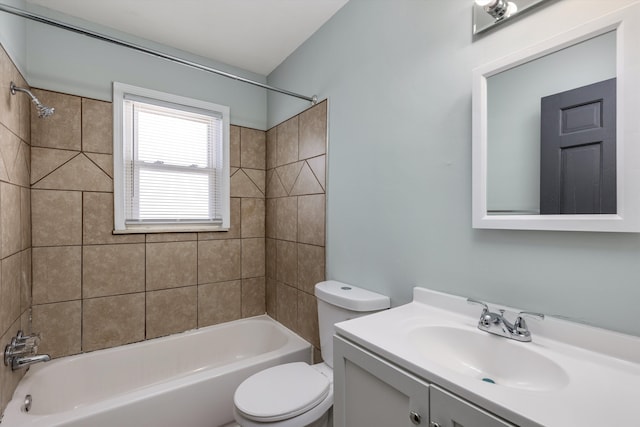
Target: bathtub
column 183, row 380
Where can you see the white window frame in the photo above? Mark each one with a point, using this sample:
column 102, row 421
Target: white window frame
column 120, row 91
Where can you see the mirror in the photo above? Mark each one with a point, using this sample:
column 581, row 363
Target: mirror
column 514, row 119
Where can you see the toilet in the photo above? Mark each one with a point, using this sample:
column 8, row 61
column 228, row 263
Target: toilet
column 298, row 394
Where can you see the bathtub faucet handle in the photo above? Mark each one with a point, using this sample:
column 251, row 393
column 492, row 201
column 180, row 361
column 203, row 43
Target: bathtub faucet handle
column 22, row 351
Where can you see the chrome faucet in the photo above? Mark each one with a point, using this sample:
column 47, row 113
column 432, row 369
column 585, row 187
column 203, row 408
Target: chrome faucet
column 25, row 361
column 496, row 324
column 21, row 352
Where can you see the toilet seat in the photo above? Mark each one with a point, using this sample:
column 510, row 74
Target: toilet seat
column 281, row 392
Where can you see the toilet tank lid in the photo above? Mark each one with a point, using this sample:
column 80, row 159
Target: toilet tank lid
column 351, row 297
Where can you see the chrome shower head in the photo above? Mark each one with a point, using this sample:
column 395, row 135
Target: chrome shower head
column 43, row 111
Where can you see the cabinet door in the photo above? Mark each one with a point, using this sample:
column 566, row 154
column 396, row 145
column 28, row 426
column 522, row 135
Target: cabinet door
column 370, row 392
column 448, row 410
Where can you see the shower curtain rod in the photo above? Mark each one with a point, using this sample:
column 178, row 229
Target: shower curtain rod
column 39, row 18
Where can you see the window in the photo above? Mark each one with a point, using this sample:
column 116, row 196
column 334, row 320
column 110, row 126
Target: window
column 171, row 158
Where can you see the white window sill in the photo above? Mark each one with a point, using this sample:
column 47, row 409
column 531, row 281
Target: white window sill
column 170, row 229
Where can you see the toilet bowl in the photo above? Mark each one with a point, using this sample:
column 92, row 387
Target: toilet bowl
column 299, row 394
column 289, row 395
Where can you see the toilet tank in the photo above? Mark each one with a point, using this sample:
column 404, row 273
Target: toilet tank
column 338, row 302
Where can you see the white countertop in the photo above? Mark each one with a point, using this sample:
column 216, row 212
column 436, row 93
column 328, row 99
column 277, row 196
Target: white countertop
column 603, row 367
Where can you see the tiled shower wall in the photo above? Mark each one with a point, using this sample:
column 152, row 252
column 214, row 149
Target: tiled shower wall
column 15, row 223
column 295, row 227
column 93, row 289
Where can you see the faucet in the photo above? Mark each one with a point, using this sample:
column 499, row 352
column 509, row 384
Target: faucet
column 25, row 361
column 496, row 324
column 21, row 352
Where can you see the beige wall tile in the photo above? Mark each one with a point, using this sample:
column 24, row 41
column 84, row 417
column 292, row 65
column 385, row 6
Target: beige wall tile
column 242, row 186
column 288, row 174
column 271, row 148
column 25, row 280
column 10, row 290
column 306, row 183
column 253, row 148
column 112, row 321
column 318, row 167
column 56, row 217
column 253, row 218
column 97, row 221
column 103, row 161
column 25, row 218
column 57, row 274
column 253, row 297
column 9, row 104
column 63, row 129
column 274, row 185
column 287, row 142
column 60, row 325
column 46, row 160
column 171, row 311
column 234, row 230
column 253, row 258
column 9, row 148
column 308, row 318
column 287, row 262
column 270, row 218
column 80, row 174
column 10, row 219
column 287, row 306
column 311, row 213
column 113, row 269
column 311, row 267
column 171, row 265
column 270, row 256
column 171, row 237
column 21, row 165
column 219, row 302
column 271, row 289
column 287, row 218
column 97, row 126
column 219, row 260
column 258, row 177
column 313, row 131
column 234, row 146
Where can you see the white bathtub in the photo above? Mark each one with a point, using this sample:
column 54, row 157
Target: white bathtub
column 184, row 380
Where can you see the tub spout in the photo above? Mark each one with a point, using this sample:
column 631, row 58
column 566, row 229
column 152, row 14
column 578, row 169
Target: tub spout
column 26, row 361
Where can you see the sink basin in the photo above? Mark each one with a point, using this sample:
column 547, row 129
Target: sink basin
column 490, row 358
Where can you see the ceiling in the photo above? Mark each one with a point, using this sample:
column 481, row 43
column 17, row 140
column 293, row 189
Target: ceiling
column 255, row 35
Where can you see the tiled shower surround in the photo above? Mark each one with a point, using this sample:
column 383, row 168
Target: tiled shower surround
column 15, row 222
column 89, row 289
column 93, row 289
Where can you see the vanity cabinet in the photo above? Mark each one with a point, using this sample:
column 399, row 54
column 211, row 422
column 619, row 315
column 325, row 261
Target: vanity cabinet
column 371, row 392
column 448, row 410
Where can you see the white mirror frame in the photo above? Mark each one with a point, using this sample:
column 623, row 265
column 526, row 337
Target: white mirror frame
column 626, row 22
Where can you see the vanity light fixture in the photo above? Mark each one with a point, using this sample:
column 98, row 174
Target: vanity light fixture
column 498, row 9
column 490, row 13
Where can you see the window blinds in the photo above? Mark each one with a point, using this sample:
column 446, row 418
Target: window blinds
column 172, row 163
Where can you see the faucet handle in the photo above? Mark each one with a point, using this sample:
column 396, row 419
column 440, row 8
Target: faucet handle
column 520, row 325
column 475, row 301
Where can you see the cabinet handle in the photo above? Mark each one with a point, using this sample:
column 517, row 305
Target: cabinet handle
column 415, row 417
column 434, row 424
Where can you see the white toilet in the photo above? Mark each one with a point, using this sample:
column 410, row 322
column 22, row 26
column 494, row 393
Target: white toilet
column 298, row 394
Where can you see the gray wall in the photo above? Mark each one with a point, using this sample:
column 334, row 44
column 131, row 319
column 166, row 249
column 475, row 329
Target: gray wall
column 398, row 78
column 513, row 104
column 13, row 35
column 62, row 61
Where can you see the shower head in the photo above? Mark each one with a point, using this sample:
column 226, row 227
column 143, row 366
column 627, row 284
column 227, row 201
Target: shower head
column 43, row 111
